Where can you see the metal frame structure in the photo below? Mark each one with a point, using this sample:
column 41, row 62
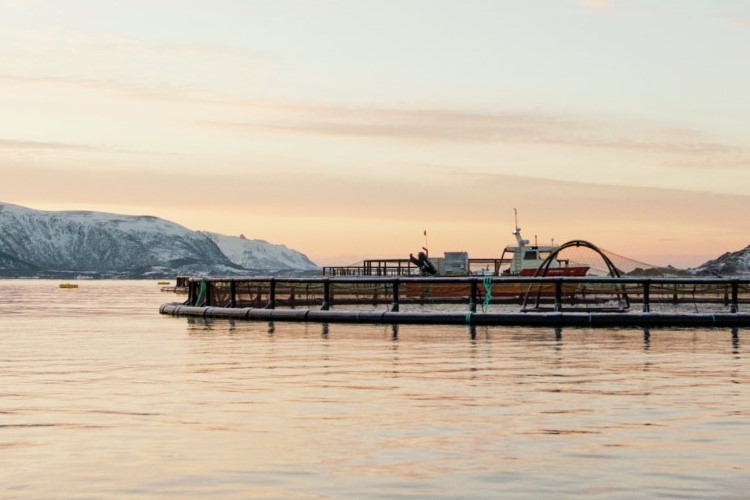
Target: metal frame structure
column 623, row 303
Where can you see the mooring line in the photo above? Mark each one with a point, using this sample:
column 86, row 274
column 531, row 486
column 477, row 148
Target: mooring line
column 487, row 282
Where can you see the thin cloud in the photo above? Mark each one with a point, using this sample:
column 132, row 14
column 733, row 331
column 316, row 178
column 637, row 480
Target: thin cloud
column 742, row 24
column 31, row 146
column 597, row 4
column 11, row 144
column 687, row 147
column 164, row 93
column 130, row 66
column 422, row 124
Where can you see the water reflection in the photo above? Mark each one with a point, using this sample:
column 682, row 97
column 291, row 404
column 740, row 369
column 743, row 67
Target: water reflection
column 218, row 408
column 557, row 337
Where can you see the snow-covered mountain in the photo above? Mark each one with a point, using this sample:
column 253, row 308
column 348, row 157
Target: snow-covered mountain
column 730, row 264
column 259, row 254
column 97, row 244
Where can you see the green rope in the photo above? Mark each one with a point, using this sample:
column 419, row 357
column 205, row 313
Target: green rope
column 202, row 292
column 487, row 282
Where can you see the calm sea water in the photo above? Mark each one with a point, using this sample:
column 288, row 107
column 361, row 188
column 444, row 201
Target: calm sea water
column 102, row 397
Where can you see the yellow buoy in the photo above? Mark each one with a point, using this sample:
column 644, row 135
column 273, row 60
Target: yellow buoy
column 68, row 285
column 163, row 283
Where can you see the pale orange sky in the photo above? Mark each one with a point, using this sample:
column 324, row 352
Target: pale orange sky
column 622, row 123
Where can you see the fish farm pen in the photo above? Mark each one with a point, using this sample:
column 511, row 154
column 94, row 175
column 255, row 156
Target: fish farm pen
column 473, row 300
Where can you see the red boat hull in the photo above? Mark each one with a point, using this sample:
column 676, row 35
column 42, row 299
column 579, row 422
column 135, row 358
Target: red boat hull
column 558, row 271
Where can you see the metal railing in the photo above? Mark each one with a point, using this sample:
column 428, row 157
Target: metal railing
column 558, row 294
column 404, row 267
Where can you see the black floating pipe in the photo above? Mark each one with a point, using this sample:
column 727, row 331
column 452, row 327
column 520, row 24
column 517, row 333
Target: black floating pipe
column 556, row 319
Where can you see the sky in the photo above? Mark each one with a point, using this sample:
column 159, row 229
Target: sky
column 345, row 129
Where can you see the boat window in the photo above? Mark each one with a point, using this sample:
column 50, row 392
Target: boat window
column 531, row 255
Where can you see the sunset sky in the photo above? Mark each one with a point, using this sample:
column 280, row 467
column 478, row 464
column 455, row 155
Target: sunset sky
column 345, row 128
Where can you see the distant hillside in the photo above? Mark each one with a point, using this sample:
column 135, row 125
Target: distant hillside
column 36, row 243
column 259, row 254
column 730, row 264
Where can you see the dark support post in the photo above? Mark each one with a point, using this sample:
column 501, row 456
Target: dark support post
column 208, row 294
column 232, row 293
column 735, row 306
column 558, row 295
column 394, row 304
column 191, row 293
column 326, row 296
column 646, row 296
column 473, row 297
column 271, row 294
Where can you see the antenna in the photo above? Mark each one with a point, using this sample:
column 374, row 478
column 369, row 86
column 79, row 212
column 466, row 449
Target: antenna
column 517, row 233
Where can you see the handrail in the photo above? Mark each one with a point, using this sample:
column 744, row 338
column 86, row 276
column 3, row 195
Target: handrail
column 479, row 279
column 226, row 293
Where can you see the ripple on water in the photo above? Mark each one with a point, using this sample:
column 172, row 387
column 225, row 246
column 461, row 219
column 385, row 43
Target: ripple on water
column 104, row 397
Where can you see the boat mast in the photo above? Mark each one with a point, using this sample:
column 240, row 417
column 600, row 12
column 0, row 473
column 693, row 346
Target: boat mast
column 517, row 233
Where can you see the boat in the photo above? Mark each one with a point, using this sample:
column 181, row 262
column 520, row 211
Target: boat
column 521, row 259
column 531, row 260
column 525, row 260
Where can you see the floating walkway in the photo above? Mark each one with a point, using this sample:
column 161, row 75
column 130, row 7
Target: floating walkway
column 508, row 301
column 561, row 319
